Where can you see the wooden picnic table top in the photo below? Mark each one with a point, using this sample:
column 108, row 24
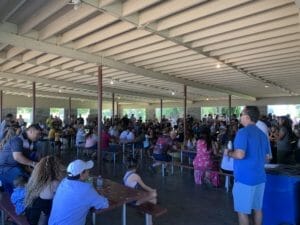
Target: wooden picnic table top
column 118, row 194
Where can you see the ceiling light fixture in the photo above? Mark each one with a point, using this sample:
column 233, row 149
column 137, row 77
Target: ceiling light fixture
column 173, row 93
column 266, row 86
column 207, row 99
column 112, row 82
column 218, row 65
column 59, row 90
column 76, row 3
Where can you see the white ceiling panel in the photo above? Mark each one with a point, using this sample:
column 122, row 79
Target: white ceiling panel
column 215, row 48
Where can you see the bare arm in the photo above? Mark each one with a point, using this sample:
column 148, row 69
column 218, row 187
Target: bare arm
column 20, row 158
column 236, row 154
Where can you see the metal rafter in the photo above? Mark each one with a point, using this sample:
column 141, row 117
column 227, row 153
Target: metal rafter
column 21, row 41
column 117, row 12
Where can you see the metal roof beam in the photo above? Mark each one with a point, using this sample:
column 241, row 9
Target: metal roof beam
column 80, row 86
column 18, row 60
column 47, row 93
column 21, row 41
column 40, row 15
column 11, row 6
column 165, row 34
column 65, row 20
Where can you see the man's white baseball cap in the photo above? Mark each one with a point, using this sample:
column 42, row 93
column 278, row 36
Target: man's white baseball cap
column 78, row 166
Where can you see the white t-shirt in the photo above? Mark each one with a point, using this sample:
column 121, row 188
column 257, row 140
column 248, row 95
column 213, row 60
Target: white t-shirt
column 130, row 179
column 123, row 135
column 264, row 128
column 130, row 136
column 49, row 191
column 127, row 135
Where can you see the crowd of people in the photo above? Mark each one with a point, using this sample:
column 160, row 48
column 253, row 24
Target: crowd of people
column 34, row 182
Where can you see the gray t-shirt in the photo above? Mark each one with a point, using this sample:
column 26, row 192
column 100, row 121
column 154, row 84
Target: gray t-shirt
column 15, row 144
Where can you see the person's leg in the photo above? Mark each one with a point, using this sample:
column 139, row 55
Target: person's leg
column 33, row 215
column 198, row 176
column 242, row 197
column 243, row 219
column 257, row 203
column 152, row 197
column 257, row 217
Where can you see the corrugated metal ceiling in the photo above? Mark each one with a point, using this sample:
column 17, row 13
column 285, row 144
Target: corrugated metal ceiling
column 249, row 49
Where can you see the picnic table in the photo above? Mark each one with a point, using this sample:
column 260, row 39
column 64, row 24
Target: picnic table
column 118, row 195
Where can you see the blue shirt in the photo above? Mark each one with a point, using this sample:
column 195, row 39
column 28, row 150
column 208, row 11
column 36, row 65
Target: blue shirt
column 250, row 170
column 15, row 144
column 72, row 202
column 17, row 198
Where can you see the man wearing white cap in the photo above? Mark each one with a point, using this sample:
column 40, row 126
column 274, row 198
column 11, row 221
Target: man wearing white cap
column 74, row 196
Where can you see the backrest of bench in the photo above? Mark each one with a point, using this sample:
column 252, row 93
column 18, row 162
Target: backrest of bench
column 9, row 209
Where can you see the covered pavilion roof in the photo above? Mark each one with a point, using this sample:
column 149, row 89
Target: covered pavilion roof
column 151, row 48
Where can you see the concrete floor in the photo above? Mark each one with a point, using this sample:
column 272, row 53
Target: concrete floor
column 187, row 203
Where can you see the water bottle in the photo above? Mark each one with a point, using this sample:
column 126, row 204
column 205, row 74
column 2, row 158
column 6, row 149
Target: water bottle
column 229, row 145
column 99, row 182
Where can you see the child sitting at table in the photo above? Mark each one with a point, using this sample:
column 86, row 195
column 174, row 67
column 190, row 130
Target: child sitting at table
column 18, row 195
column 133, row 180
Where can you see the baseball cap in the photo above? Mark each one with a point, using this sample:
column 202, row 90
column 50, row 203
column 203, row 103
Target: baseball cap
column 78, row 166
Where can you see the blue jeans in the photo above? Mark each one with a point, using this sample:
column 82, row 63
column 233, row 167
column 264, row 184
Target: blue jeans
column 8, row 175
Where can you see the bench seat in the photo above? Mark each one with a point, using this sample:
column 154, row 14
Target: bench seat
column 150, row 210
column 187, row 166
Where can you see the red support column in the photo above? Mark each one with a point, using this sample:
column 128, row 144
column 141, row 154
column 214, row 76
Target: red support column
column 113, row 108
column 100, row 89
column 33, row 102
column 1, row 105
column 70, row 109
column 184, row 112
column 161, row 109
column 117, row 109
column 229, row 105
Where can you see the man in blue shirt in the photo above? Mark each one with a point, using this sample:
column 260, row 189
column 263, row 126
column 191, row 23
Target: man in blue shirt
column 250, row 154
column 74, row 196
column 14, row 157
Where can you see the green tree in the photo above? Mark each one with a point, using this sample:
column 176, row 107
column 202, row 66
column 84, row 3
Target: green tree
column 173, row 113
column 234, row 110
column 140, row 112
